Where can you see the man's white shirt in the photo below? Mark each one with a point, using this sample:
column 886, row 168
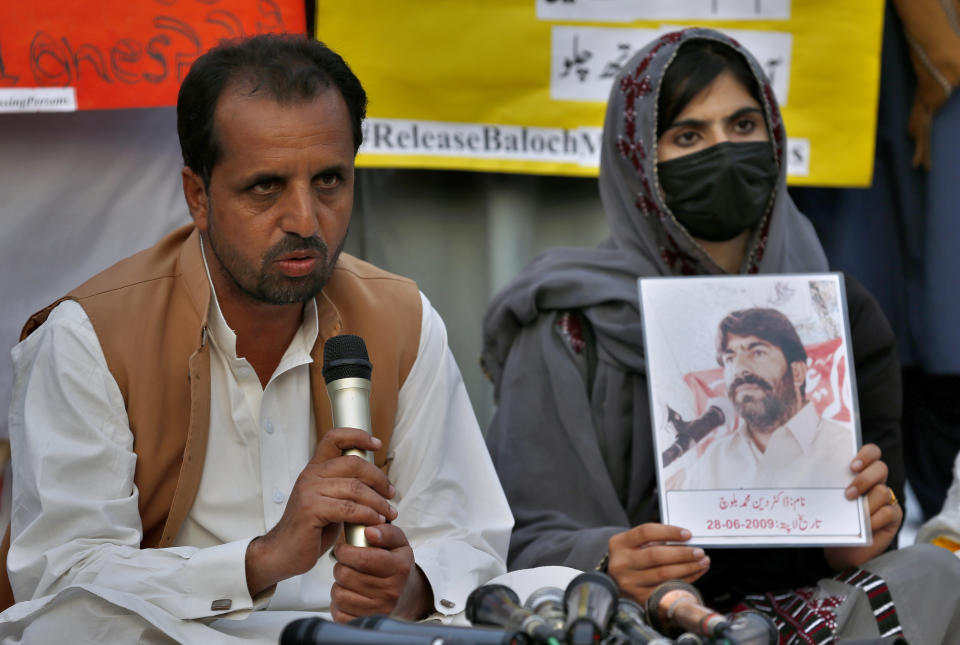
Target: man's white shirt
column 805, row 452
column 75, row 517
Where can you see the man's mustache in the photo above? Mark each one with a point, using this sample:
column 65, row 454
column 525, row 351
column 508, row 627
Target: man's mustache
column 293, row 243
column 748, row 379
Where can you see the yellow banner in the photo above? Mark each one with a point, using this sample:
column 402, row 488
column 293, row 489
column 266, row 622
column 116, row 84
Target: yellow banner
column 520, row 85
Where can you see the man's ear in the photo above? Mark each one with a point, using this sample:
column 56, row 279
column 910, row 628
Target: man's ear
column 195, row 192
column 799, row 369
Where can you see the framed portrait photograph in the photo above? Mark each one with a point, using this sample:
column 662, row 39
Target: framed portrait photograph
column 754, row 408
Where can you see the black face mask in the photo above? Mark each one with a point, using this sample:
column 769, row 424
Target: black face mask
column 718, row 193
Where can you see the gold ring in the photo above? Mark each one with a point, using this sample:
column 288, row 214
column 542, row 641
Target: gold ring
column 893, row 496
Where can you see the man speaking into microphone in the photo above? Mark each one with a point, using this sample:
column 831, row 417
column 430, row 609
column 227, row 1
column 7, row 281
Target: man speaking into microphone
column 171, row 431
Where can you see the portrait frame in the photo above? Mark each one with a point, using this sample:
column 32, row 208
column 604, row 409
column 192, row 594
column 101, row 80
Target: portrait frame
column 754, row 427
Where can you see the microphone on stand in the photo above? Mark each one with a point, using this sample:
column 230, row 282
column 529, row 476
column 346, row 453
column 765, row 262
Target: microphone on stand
column 346, row 370
column 676, row 606
column 499, row 605
column 629, row 619
column 590, row 599
column 547, row 602
column 689, row 432
column 451, row 634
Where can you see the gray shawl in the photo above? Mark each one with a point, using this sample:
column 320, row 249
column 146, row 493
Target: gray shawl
column 577, row 466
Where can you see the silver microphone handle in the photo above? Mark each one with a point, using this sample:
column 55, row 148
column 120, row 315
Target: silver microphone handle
column 350, row 404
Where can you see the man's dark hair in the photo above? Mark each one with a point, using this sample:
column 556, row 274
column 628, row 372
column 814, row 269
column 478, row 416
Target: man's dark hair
column 694, row 67
column 766, row 324
column 284, row 67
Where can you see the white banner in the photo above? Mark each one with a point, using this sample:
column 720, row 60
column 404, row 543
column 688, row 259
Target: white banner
column 787, row 516
column 584, row 60
column 38, row 99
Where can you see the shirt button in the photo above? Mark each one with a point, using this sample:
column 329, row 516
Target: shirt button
column 244, row 371
column 449, row 604
column 278, row 497
column 268, row 426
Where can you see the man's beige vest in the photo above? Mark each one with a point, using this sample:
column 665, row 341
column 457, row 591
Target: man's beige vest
column 149, row 312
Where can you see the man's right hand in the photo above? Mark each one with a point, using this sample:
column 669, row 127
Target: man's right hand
column 331, row 489
column 640, row 559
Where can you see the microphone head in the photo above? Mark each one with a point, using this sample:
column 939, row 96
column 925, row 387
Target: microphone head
column 487, row 605
column 656, row 614
column 544, row 595
column 595, row 579
column 547, row 602
column 590, row 599
column 751, row 627
column 345, row 356
column 632, row 609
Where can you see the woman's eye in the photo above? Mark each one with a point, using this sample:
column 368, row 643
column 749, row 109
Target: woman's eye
column 745, row 126
column 687, row 138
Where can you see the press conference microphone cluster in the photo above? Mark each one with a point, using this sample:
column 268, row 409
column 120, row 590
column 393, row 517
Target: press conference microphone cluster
column 586, row 613
column 347, row 370
column 589, row 612
column 689, row 432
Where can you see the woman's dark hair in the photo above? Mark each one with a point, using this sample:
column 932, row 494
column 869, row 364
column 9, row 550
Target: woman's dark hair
column 694, row 67
column 281, row 66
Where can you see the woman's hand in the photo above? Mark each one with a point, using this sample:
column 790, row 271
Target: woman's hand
column 886, row 514
column 640, row 559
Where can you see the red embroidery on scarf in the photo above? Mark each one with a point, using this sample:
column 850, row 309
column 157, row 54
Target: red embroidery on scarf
column 634, row 88
column 672, row 37
column 678, row 262
column 644, row 64
column 776, row 124
column 572, row 331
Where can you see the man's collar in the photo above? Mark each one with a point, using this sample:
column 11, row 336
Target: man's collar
column 194, row 275
column 803, row 426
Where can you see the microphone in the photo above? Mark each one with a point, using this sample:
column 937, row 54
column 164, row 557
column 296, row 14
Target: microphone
column 590, row 600
column 676, row 606
column 753, row 628
column 547, row 602
column 689, row 432
column 628, row 618
column 346, row 370
column 499, row 605
column 451, row 634
column 318, row 631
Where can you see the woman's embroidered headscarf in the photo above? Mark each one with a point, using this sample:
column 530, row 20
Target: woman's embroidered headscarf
column 646, row 239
